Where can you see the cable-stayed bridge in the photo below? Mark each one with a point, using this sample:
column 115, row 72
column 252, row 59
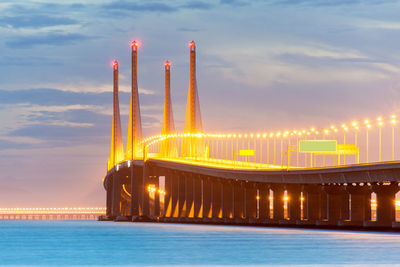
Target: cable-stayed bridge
column 338, row 175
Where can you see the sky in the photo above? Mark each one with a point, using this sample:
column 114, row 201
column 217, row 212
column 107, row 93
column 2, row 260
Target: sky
column 262, row 66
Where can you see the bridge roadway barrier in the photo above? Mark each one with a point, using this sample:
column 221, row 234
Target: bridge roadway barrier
column 331, row 197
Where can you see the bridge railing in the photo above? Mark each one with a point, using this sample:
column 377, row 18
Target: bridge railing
column 371, row 141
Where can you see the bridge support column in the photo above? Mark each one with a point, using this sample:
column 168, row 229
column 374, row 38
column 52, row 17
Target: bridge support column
column 359, row 211
column 312, row 204
column 126, row 200
column 385, row 200
column 227, row 209
column 175, row 194
column 238, row 196
column 182, row 194
column 278, row 201
column 145, row 193
column 323, row 205
column 189, row 192
column 263, row 202
column 136, row 185
column 157, row 196
column 217, row 198
column 108, row 186
column 167, row 196
column 197, row 197
column 337, row 198
column 251, row 201
column 207, row 197
column 345, row 205
column 294, row 202
column 116, row 195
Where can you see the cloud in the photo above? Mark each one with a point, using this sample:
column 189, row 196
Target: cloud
column 330, row 2
column 140, row 7
column 28, row 61
column 55, row 100
column 376, row 24
column 186, row 29
column 312, row 63
column 52, row 39
column 59, row 134
column 35, row 21
column 12, row 140
column 54, row 97
column 304, row 59
column 45, row 117
column 121, row 7
column 43, row 8
column 90, row 87
column 19, row 116
column 234, row 2
column 197, row 5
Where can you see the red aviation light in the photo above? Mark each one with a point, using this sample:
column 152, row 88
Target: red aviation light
column 192, row 46
column 115, row 65
column 167, row 65
column 135, row 45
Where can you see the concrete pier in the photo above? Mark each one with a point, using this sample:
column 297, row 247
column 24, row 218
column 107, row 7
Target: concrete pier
column 294, row 202
column 197, row 197
column 217, row 199
column 238, row 195
column 385, row 199
column 228, row 201
column 175, row 195
column 207, row 197
column 278, row 201
column 189, row 193
column 312, row 203
column 168, row 195
column 336, row 201
column 360, row 205
column 116, row 195
column 251, row 201
column 263, row 192
column 182, row 195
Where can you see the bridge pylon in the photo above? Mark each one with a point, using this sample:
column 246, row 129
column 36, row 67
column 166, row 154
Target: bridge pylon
column 193, row 142
column 133, row 149
column 168, row 146
column 117, row 148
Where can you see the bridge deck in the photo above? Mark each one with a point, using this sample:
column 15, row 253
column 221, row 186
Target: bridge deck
column 372, row 172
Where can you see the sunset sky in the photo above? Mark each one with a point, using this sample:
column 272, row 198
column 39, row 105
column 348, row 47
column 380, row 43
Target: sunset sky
column 262, row 66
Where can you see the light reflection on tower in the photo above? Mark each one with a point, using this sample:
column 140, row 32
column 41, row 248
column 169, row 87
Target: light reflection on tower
column 117, row 148
column 193, row 146
column 168, row 146
column 133, row 149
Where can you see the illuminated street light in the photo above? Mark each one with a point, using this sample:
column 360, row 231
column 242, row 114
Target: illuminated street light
column 282, row 136
column 380, row 123
column 325, row 133
column 367, row 127
column 259, row 136
column 277, row 135
column 393, row 122
column 344, row 127
column 355, row 126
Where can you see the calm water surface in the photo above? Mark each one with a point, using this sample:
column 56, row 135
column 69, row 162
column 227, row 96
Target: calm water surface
column 57, row 243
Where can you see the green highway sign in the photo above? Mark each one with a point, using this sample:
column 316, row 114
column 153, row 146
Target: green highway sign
column 318, row 146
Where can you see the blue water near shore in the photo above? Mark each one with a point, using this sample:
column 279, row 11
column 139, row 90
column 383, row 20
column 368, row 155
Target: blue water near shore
column 66, row 243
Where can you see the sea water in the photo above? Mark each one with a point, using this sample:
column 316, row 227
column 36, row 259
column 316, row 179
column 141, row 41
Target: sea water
column 71, row 243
